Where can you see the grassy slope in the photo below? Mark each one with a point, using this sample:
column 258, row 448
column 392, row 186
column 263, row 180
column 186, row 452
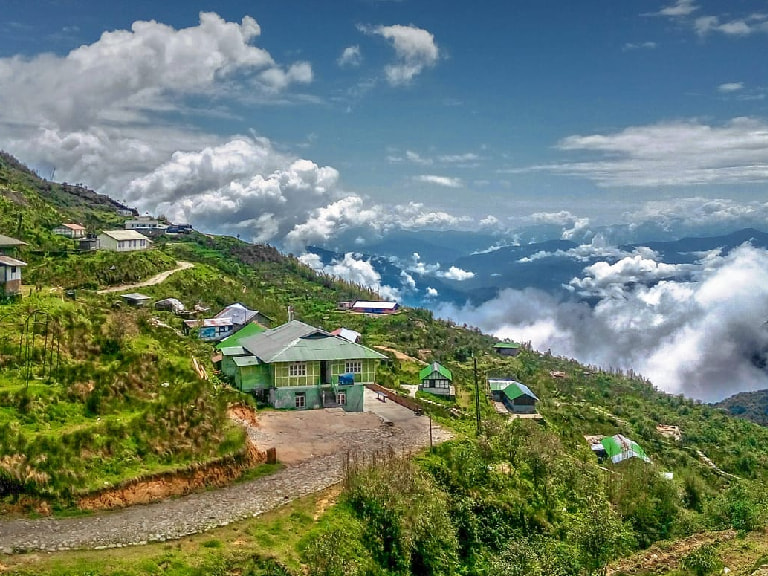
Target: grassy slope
column 116, row 384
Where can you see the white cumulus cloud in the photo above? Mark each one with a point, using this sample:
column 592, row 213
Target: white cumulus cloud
column 351, row 57
column 457, row 274
column 415, row 49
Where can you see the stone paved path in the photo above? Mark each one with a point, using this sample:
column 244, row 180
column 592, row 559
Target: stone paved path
column 199, row 512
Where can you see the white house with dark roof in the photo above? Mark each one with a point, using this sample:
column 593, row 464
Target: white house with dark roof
column 123, row 241
column 10, row 268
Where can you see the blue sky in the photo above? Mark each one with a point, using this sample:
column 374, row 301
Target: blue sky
column 290, row 121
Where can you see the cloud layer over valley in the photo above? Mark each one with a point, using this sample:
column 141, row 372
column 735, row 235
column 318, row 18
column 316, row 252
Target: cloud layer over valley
column 697, row 330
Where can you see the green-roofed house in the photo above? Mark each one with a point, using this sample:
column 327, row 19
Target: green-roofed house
column 230, row 348
column 437, row 379
column 507, row 348
column 517, row 397
column 299, row 366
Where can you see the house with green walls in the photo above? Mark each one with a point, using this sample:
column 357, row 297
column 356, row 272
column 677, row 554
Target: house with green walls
column 437, row 379
column 302, row 367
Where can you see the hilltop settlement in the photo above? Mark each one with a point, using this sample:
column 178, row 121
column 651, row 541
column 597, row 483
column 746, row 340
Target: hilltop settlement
column 304, row 425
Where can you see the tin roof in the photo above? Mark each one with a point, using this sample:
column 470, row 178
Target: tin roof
column 241, row 361
column 8, row 242
column 136, row 296
column 246, row 331
column 515, row 390
column 73, row 226
column 233, row 351
column 513, row 345
column 299, row 342
column 497, row 384
column 8, row 261
column 122, row 235
column 435, row 367
column 377, row 305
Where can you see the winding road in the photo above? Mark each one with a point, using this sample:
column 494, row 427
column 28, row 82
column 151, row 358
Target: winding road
column 194, row 513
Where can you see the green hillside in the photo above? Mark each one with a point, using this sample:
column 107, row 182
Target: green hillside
column 750, row 405
column 95, row 394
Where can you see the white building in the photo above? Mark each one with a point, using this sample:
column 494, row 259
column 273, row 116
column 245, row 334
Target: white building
column 10, row 275
column 143, row 223
column 70, row 231
column 123, row 240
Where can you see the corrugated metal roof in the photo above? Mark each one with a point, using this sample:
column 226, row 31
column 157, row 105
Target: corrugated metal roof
column 435, row 367
column 121, row 235
column 246, row 361
column 234, row 340
column 239, row 313
column 8, row 261
column 7, row 242
column 513, row 345
column 73, row 226
column 299, row 342
column 233, row 351
column 497, row 384
column 378, row 305
column 515, row 390
column 135, row 296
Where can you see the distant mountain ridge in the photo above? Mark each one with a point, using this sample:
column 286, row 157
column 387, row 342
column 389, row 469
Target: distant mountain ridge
column 749, row 405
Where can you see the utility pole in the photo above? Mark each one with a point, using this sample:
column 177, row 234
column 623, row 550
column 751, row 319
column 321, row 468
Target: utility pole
column 477, row 396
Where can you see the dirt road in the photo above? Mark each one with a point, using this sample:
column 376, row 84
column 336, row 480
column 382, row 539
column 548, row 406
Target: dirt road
column 162, row 277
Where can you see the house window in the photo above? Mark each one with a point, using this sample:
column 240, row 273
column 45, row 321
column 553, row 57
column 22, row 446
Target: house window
column 13, row 269
column 297, row 369
column 341, row 398
column 354, row 366
column 301, row 400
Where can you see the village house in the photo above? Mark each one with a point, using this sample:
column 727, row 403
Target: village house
column 367, row 307
column 517, row 397
column 74, row 231
column 242, row 315
column 507, row 348
column 170, row 305
column 211, row 329
column 437, row 379
column 10, row 268
column 298, row 366
column 229, row 349
column 143, row 224
column 136, row 299
column 123, row 241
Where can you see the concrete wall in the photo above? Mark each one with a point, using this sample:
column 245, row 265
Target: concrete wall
column 313, row 397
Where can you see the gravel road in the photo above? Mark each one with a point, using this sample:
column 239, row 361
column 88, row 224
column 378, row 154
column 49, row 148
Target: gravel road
column 172, row 519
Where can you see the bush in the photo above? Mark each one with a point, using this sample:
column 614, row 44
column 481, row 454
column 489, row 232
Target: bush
column 703, row 561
